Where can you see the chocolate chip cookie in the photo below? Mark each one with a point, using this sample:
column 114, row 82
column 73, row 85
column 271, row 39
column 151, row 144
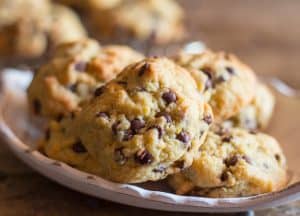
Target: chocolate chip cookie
column 29, row 28
column 154, row 20
column 146, row 124
column 228, row 84
column 234, row 162
column 70, row 77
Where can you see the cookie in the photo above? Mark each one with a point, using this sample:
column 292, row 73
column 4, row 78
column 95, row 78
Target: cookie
column 258, row 113
column 233, row 163
column 70, row 77
column 65, row 25
column 30, row 28
column 60, row 143
column 146, row 123
column 227, row 83
column 158, row 21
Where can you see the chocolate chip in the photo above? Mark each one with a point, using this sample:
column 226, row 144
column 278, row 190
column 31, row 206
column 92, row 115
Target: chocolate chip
column 143, row 69
column 232, row 161
column 220, row 79
column 158, row 128
column 277, row 157
column 119, row 156
column 47, row 134
column 224, row 176
column 78, row 147
column 80, row 66
column 143, row 157
column 103, row 115
column 128, row 134
column 222, row 131
column 230, row 70
column 208, row 72
column 72, row 87
column 124, row 83
column 99, row 91
column 253, row 131
column 114, row 127
column 37, row 106
column 73, row 115
column 136, row 125
column 226, row 138
column 159, row 169
column 208, row 119
column 59, row 117
column 165, row 115
column 179, row 164
column 247, row 159
column 183, row 137
column 169, row 97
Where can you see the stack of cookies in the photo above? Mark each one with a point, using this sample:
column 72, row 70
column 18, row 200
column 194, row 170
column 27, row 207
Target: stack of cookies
column 192, row 119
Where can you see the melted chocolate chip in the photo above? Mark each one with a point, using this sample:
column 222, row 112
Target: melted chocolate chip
column 183, row 137
column 143, row 157
column 73, row 87
column 166, row 115
column 159, row 169
column 114, row 127
column 99, row 91
column 144, row 69
column 169, row 97
column 158, row 128
column 78, row 147
column 136, row 125
column 208, row 119
column 208, row 72
column 232, row 161
column 37, row 106
column 247, row 159
column 80, row 66
column 277, row 157
column 224, row 176
column 227, row 138
column 119, row 156
column 103, row 115
column 128, row 134
column 230, row 70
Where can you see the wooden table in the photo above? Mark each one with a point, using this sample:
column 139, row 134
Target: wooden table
column 264, row 33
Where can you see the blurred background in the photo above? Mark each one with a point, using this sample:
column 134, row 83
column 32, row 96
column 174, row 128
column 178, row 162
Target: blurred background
column 263, row 33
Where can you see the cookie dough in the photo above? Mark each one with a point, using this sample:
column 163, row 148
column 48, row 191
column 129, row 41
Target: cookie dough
column 154, row 20
column 257, row 114
column 228, row 84
column 145, row 124
column 233, row 163
column 70, row 77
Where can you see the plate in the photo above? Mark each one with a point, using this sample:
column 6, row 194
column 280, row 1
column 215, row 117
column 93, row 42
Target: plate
column 21, row 130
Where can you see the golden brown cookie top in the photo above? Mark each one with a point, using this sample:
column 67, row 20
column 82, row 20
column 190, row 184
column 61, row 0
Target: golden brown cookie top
column 228, row 83
column 146, row 123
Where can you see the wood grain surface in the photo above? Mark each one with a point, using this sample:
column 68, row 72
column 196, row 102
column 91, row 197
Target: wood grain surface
column 264, row 33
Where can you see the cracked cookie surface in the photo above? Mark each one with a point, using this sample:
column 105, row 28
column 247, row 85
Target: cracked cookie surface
column 228, row 84
column 234, row 162
column 70, row 77
column 145, row 124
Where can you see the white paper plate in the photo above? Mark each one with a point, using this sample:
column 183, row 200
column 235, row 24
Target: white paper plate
column 21, row 129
